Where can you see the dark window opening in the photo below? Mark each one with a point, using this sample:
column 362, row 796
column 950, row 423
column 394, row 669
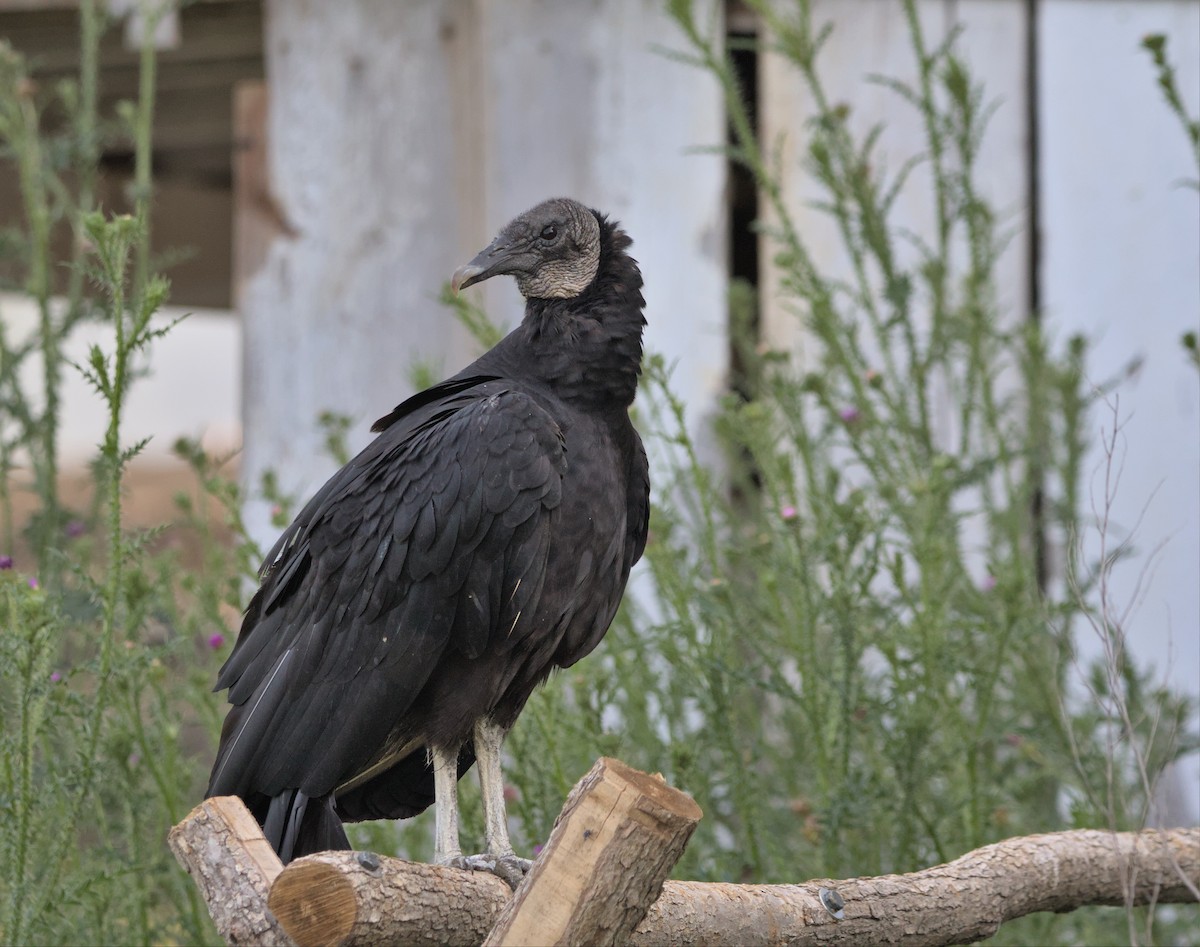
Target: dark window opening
column 741, row 38
column 220, row 46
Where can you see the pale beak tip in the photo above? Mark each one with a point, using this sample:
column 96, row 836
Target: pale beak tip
column 464, row 276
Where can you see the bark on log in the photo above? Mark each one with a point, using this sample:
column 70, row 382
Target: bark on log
column 963, row 901
column 362, row 898
column 222, row 847
column 612, row 847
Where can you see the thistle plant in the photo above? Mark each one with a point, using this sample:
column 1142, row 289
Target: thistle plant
column 106, row 652
column 849, row 643
column 1156, row 45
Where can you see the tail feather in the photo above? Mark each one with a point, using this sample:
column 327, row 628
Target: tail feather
column 296, row 825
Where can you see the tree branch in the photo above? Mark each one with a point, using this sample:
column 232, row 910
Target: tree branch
column 961, row 902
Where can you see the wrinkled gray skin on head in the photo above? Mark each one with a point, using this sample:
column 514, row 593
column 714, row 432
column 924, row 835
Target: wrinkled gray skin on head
column 553, row 251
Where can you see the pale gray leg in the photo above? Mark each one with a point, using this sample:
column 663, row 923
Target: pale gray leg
column 445, row 813
column 499, row 858
column 489, row 738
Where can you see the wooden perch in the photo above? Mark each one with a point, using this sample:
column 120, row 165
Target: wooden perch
column 612, row 847
column 360, row 898
column 961, row 902
column 222, row 847
column 619, row 835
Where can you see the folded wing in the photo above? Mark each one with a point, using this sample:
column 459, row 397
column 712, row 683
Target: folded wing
column 432, row 541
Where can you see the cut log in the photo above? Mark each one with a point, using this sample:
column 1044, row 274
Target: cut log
column 222, row 847
column 612, row 847
column 361, row 898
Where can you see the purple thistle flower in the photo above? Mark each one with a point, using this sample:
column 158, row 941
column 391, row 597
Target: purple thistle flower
column 215, row 641
column 75, row 528
column 33, row 582
column 55, row 677
column 849, row 414
column 6, row 562
column 788, row 513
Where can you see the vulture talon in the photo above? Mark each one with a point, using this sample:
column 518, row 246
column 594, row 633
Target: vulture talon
column 511, row 869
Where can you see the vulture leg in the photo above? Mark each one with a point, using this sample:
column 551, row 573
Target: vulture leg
column 490, row 738
column 488, row 741
column 446, row 850
column 499, row 858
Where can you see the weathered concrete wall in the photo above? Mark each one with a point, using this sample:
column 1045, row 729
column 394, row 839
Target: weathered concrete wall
column 359, row 174
column 1121, row 265
column 402, row 135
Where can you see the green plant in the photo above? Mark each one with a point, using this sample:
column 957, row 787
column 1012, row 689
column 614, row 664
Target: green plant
column 107, row 650
column 847, row 646
column 1156, row 45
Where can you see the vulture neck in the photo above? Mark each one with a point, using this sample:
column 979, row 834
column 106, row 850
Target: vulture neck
column 588, row 349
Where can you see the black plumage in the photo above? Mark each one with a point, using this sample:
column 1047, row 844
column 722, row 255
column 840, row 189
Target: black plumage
column 483, row 539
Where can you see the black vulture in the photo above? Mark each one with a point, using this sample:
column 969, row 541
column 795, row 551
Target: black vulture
column 482, row 540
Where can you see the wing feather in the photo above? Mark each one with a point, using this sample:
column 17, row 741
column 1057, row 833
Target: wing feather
column 433, row 540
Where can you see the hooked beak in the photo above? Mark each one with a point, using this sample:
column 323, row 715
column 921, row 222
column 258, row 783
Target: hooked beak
column 497, row 259
column 467, row 275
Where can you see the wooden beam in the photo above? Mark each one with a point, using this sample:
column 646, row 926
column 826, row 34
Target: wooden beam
column 619, row 835
column 221, row 845
column 257, row 217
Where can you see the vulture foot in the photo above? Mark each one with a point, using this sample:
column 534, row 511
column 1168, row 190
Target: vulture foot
column 511, row 868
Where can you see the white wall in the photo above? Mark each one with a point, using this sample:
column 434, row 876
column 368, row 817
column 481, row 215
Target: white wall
column 192, row 389
column 1121, row 265
column 361, row 170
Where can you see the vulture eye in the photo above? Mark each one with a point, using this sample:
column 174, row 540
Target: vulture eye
column 549, row 232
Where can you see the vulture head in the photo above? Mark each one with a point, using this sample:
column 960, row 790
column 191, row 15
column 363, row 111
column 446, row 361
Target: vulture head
column 553, row 251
